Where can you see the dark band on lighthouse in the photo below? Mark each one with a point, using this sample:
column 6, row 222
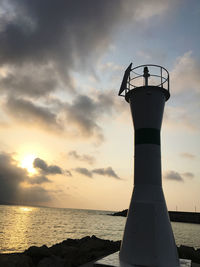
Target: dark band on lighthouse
column 147, row 136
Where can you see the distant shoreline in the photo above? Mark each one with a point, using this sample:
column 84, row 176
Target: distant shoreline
column 175, row 216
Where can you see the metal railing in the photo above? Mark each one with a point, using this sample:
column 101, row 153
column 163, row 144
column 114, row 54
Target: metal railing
column 146, row 75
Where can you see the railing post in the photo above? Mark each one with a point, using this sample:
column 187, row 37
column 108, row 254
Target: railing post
column 168, row 83
column 146, row 75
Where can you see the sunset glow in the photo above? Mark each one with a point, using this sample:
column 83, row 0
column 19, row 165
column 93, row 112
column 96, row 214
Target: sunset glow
column 60, row 109
column 27, row 163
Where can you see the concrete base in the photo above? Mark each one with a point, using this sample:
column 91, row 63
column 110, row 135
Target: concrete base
column 112, row 260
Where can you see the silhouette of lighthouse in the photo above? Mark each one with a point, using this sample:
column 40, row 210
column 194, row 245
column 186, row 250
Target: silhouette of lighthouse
column 148, row 238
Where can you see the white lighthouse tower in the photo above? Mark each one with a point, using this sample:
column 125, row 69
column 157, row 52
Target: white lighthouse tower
column 148, row 238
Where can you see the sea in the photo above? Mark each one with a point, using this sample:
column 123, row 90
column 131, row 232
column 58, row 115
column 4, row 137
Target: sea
column 24, row 226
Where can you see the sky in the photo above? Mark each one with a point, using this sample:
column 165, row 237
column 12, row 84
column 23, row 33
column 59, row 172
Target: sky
column 66, row 137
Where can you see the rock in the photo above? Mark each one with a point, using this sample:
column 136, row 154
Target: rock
column 122, row 213
column 85, row 239
column 24, row 261
column 52, row 261
column 75, row 252
column 70, row 242
column 63, row 250
column 79, row 251
column 186, row 252
column 37, row 253
column 15, row 260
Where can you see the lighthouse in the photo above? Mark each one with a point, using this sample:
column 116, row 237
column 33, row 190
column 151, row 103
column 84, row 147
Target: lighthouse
column 148, row 237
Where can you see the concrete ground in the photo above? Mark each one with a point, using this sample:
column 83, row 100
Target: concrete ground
column 195, row 265
column 90, row 264
column 112, row 260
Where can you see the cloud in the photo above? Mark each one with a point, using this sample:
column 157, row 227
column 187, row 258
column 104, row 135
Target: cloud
column 187, row 155
column 149, row 9
column 173, row 175
column 85, row 158
column 100, row 171
column 151, row 55
column 82, row 113
column 11, row 188
column 75, row 31
column 39, row 56
column 185, row 75
column 33, row 195
column 79, row 119
column 183, row 113
column 85, row 112
column 106, row 172
column 183, row 117
column 110, row 67
column 67, row 172
column 38, row 179
column 188, row 175
column 28, row 81
column 43, row 52
column 27, row 112
column 47, row 169
column 84, row 171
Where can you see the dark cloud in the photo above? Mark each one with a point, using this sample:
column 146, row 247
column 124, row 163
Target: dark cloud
column 188, row 175
column 173, row 175
column 101, row 171
column 188, row 155
column 27, row 112
column 10, row 178
column 29, row 82
column 43, row 42
column 34, row 195
column 81, row 118
column 47, row 169
column 39, row 49
column 85, row 112
column 106, row 172
column 84, row 171
column 86, row 158
column 11, row 188
column 67, row 34
column 38, row 179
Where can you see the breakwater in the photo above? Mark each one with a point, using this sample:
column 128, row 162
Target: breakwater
column 70, row 252
column 175, row 216
column 187, row 217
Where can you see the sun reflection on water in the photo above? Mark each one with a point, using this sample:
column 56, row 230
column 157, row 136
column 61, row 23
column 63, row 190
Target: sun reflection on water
column 25, row 209
column 24, row 226
column 15, row 226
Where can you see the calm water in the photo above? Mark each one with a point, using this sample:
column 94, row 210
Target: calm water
column 22, row 227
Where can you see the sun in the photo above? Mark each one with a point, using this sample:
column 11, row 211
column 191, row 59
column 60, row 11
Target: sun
column 27, row 163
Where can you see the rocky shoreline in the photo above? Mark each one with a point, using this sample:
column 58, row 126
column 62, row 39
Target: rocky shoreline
column 69, row 253
column 75, row 252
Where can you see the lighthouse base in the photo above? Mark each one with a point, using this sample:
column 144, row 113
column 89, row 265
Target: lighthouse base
column 113, row 260
column 148, row 238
